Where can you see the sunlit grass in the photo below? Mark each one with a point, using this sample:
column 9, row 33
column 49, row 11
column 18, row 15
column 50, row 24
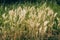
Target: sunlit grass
column 27, row 22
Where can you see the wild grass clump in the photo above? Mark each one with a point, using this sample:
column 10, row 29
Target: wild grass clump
column 27, row 23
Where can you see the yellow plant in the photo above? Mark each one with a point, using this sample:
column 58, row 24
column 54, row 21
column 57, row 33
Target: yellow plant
column 28, row 22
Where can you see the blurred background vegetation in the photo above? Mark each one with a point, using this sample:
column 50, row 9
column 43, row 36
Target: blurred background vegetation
column 18, row 28
column 32, row 1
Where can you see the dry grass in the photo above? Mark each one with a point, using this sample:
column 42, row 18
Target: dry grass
column 28, row 23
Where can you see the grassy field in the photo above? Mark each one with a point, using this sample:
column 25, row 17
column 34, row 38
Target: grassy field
column 30, row 22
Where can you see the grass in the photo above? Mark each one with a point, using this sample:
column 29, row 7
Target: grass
column 29, row 22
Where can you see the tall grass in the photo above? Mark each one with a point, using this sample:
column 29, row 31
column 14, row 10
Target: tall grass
column 28, row 23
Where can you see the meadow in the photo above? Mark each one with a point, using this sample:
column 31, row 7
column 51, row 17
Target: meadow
column 30, row 22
